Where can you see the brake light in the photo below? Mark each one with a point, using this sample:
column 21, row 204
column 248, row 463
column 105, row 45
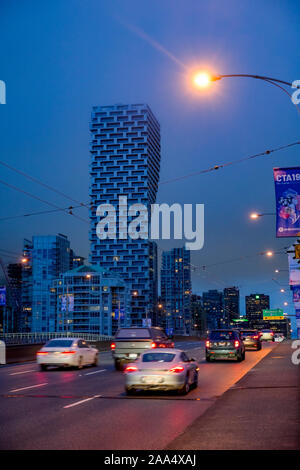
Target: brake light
column 236, row 344
column 255, row 337
column 41, row 353
column 177, row 369
column 153, row 345
column 68, row 352
column 207, row 343
column 113, row 346
column 272, row 333
column 131, row 369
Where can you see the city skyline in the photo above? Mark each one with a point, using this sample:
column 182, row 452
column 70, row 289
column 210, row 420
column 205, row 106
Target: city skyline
column 194, row 128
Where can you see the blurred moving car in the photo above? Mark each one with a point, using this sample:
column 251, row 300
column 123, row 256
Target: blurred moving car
column 224, row 344
column 266, row 335
column 129, row 343
column 278, row 337
column 251, row 339
column 66, row 352
column 162, row 369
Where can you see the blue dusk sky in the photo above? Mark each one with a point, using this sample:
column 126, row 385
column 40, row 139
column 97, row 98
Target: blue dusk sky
column 61, row 57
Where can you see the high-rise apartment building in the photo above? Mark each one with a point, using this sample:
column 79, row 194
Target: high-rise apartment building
column 255, row 304
column 231, row 296
column 125, row 161
column 90, row 299
column 214, row 307
column 46, row 257
column 176, row 287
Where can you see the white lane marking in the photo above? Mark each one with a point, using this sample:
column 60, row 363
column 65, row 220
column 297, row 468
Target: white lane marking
column 24, row 372
column 26, row 388
column 96, row 372
column 82, row 401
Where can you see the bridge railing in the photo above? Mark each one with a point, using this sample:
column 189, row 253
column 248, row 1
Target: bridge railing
column 35, row 338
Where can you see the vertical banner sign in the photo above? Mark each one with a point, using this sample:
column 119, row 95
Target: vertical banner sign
column 2, row 296
column 287, row 191
column 296, row 296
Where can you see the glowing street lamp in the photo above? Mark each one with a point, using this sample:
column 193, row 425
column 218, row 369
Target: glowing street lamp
column 202, row 79
column 24, row 260
column 256, row 215
column 282, row 290
column 269, row 253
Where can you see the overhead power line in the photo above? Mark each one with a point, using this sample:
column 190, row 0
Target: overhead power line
column 233, row 162
column 33, row 196
column 41, row 183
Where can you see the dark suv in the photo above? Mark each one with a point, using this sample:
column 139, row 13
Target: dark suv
column 224, row 344
column 251, row 339
column 129, row 343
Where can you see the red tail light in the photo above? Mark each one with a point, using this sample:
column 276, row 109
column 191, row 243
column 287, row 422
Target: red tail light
column 236, row 344
column 207, row 343
column 177, row 369
column 113, row 346
column 41, row 353
column 255, row 337
column 68, row 352
column 153, row 345
column 131, row 369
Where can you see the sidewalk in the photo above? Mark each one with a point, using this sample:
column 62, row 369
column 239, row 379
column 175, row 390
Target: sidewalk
column 261, row 411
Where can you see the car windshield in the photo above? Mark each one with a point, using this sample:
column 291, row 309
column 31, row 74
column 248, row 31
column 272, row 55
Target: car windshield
column 222, row 335
column 133, row 333
column 248, row 333
column 59, row 343
column 158, row 357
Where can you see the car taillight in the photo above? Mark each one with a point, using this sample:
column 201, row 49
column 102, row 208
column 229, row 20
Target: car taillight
column 131, row 369
column 255, row 337
column 153, row 345
column 68, row 352
column 236, row 344
column 272, row 334
column 207, row 343
column 41, row 353
column 113, row 346
column 177, row 369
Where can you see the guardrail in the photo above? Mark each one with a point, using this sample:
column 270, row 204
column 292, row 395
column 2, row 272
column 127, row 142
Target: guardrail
column 36, row 338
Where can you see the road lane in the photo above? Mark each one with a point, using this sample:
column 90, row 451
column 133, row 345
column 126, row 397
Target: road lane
column 112, row 420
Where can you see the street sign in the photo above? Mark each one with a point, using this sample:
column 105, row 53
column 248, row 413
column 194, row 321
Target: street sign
column 238, row 320
column 274, row 314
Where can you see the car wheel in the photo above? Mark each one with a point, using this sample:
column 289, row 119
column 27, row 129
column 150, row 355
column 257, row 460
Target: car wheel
column 259, row 347
column 243, row 356
column 43, row 367
column 186, row 387
column 207, row 358
column 80, row 365
column 95, row 363
column 130, row 391
column 239, row 358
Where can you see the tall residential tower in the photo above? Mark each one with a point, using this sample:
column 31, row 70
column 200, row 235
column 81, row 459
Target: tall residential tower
column 125, row 161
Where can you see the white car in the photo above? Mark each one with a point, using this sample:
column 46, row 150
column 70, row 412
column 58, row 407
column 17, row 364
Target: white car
column 67, row 352
column 161, row 369
column 267, row 335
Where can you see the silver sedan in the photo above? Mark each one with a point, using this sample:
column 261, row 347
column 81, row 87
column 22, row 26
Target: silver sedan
column 162, row 369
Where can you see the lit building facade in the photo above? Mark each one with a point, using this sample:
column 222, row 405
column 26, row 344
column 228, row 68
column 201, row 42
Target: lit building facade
column 90, row 299
column 255, row 304
column 176, row 287
column 231, row 296
column 46, row 257
column 213, row 306
column 125, row 161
